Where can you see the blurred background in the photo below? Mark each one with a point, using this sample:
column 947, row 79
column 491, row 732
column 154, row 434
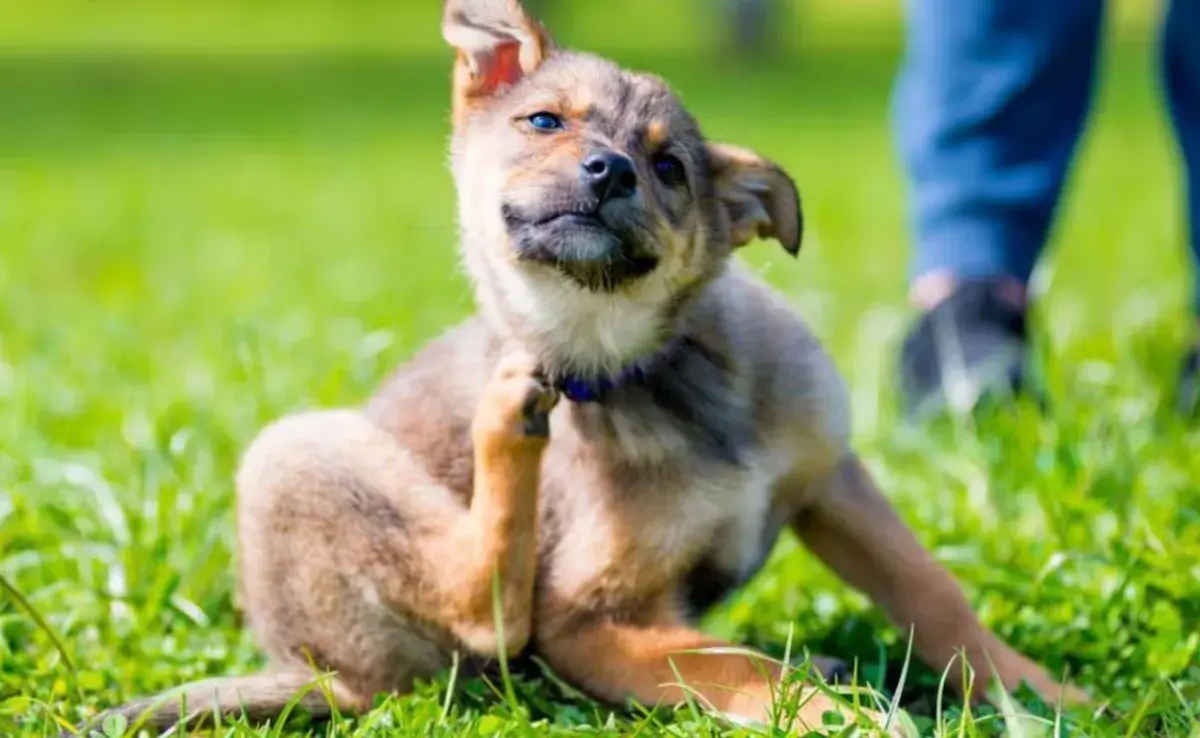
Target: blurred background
column 213, row 212
column 178, row 167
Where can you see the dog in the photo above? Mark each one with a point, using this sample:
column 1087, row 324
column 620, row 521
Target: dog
column 610, row 445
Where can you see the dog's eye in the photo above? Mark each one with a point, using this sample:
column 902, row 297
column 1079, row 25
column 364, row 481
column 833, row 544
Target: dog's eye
column 669, row 170
column 544, row 121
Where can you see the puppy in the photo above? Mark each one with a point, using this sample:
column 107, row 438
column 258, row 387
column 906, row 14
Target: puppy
column 615, row 440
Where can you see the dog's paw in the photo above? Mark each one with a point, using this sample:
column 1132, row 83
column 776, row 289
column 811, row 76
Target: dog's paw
column 517, row 401
column 535, row 412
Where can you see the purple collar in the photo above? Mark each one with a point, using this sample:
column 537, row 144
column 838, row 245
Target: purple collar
column 582, row 389
column 594, row 389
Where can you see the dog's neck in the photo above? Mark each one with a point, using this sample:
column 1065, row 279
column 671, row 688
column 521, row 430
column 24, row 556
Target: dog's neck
column 588, row 343
column 587, row 388
column 587, row 360
column 684, row 395
column 684, row 378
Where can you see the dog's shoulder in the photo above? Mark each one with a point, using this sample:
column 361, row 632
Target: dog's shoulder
column 427, row 403
column 795, row 386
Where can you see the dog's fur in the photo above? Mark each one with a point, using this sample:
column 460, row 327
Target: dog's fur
column 369, row 538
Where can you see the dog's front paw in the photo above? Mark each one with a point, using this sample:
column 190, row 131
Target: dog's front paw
column 517, row 402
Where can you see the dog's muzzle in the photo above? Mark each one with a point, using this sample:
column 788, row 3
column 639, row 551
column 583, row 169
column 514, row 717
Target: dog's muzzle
column 581, row 245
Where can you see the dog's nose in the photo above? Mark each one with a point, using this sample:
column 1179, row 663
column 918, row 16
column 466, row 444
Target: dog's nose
column 610, row 175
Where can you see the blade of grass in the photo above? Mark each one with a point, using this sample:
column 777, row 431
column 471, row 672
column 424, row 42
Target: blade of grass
column 554, row 679
column 501, row 651
column 939, row 711
column 687, row 691
column 450, row 687
column 1139, row 714
column 11, row 590
column 895, row 706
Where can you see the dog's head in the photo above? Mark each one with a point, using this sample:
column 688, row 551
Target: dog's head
column 592, row 208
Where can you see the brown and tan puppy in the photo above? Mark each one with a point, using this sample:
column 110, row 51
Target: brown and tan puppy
column 699, row 418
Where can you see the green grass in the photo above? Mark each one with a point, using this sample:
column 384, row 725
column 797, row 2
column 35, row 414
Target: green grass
column 211, row 215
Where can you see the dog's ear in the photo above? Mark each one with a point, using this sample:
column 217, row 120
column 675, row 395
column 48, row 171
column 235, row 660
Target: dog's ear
column 759, row 197
column 498, row 43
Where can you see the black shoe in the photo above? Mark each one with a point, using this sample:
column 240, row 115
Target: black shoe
column 971, row 346
column 1188, row 397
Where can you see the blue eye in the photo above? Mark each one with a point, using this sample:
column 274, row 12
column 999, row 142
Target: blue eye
column 545, row 121
column 669, row 170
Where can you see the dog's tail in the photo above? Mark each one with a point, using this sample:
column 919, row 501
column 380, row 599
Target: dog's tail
column 258, row 697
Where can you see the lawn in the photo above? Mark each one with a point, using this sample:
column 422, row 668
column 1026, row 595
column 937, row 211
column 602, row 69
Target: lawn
column 215, row 213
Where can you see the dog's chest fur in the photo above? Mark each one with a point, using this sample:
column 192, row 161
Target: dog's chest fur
column 618, row 535
column 669, row 476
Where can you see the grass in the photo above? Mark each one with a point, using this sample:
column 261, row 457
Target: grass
column 216, row 214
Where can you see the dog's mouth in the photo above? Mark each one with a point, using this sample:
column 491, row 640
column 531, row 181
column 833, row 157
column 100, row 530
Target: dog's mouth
column 588, row 219
column 582, row 245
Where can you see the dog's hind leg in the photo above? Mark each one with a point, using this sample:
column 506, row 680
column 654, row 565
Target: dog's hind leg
column 853, row 529
column 352, row 552
column 355, row 561
column 670, row 663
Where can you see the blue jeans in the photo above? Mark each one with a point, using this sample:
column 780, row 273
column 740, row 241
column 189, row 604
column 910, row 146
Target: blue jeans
column 988, row 108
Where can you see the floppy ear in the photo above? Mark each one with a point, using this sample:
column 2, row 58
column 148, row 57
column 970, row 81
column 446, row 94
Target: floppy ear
column 759, row 197
column 498, row 43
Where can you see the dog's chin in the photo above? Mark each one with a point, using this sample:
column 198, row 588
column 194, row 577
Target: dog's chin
column 584, row 249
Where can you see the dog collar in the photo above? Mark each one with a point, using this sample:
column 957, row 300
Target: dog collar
column 582, row 389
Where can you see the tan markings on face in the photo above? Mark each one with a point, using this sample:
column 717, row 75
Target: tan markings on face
column 544, row 162
column 580, row 104
column 674, row 211
column 656, row 134
column 681, row 257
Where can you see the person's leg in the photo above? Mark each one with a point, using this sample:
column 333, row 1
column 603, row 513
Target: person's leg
column 989, row 105
column 1181, row 78
column 748, row 23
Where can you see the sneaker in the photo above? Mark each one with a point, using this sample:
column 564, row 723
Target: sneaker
column 970, row 346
